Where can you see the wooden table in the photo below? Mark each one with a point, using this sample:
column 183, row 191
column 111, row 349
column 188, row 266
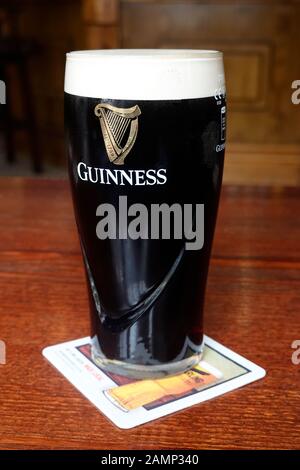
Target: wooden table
column 252, row 306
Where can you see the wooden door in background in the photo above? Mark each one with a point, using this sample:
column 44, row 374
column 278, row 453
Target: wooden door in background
column 261, row 43
column 261, row 52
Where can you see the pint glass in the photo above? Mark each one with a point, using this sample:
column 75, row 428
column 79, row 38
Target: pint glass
column 145, row 132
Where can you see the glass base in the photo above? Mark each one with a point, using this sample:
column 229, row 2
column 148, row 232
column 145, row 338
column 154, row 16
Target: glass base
column 139, row 371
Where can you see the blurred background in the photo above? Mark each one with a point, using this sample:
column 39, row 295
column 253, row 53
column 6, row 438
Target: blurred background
column 260, row 40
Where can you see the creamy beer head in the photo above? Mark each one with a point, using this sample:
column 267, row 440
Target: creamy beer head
column 145, row 74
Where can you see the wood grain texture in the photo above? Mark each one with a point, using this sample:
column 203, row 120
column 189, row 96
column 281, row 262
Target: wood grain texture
column 102, row 12
column 101, row 20
column 261, row 165
column 252, row 306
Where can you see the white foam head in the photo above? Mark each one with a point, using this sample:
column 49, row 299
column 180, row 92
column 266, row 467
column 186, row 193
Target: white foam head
column 144, row 74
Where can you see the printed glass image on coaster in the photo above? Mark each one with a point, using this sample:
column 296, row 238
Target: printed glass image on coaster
column 129, row 402
column 154, row 392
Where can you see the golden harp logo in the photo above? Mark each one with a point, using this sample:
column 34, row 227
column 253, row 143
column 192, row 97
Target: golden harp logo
column 119, row 128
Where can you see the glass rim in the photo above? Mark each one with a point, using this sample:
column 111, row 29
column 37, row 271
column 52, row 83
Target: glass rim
column 158, row 55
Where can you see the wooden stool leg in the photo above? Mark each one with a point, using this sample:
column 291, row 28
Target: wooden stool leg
column 30, row 118
column 8, row 123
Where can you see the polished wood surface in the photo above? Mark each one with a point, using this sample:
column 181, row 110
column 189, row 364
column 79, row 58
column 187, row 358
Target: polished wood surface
column 252, row 306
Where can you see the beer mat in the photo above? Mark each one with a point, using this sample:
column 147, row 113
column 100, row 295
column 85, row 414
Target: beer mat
column 129, row 402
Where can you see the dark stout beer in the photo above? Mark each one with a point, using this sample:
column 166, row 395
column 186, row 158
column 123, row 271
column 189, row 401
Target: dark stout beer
column 148, row 125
